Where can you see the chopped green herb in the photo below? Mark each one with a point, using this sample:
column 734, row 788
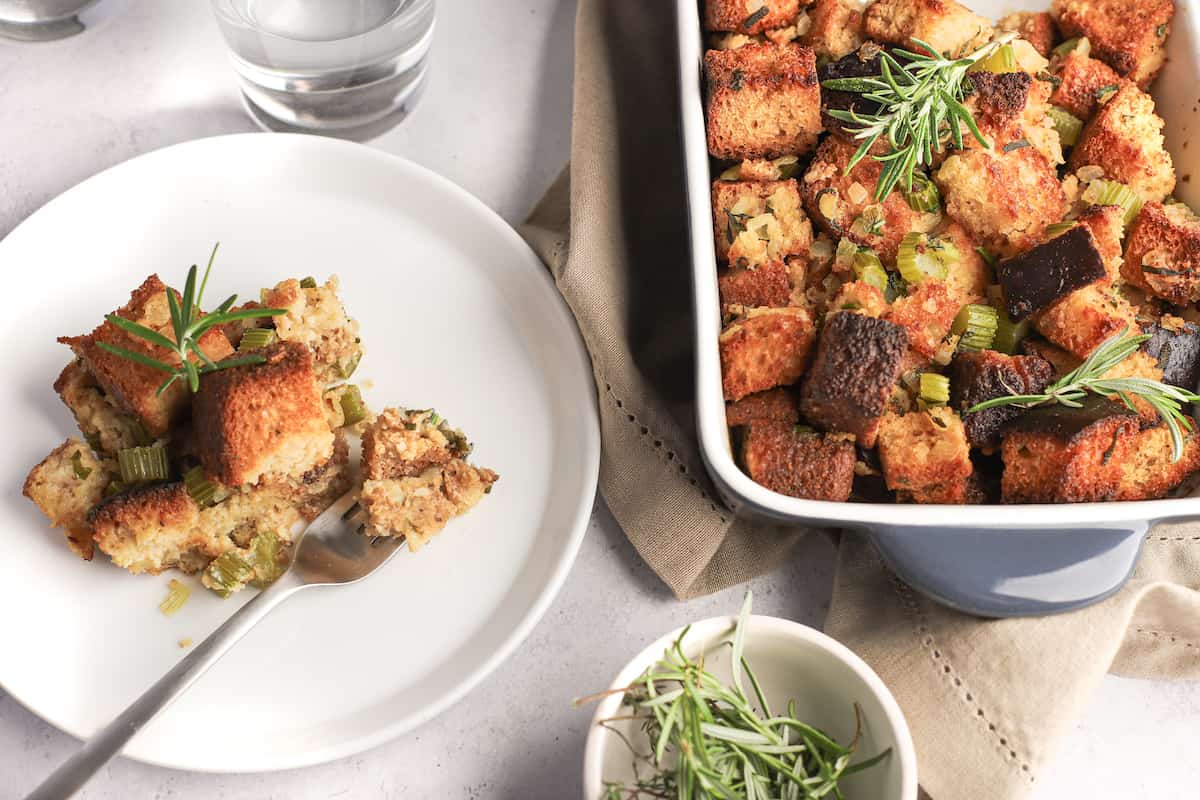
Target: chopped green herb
column 81, row 472
column 1015, row 145
column 753, row 19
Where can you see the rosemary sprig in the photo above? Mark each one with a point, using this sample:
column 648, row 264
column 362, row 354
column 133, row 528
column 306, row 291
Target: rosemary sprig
column 1072, row 388
column 707, row 739
column 188, row 324
column 920, row 105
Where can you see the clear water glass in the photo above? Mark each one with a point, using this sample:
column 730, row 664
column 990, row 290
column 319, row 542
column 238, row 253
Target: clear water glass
column 348, row 68
column 41, row 20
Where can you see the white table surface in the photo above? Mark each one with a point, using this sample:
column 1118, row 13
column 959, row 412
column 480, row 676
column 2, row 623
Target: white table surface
column 496, row 120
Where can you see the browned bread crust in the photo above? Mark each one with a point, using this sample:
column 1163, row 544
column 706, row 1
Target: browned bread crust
column 925, row 456
column 1129, row 36
column 768, row 347
column 1162, row 254
column 1125, row 139
column 731, row 15
column 985, row 375
column 1081, row 79
column 814, row 466
column 777, row 405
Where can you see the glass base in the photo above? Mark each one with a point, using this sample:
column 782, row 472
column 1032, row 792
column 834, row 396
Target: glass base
column 41, row 31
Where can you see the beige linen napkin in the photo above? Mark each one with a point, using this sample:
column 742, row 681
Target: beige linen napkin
column 987, row 700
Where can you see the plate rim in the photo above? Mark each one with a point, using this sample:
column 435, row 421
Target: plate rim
column 589, row 457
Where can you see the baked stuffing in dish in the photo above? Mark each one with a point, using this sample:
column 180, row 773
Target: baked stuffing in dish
column 206, row 439
column 951, row 267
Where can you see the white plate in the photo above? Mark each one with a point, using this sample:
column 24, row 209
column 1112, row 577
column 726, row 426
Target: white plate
column 456, row 313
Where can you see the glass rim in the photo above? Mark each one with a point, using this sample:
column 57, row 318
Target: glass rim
column 402, row 16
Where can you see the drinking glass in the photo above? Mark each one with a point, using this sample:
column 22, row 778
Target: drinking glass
column 348, row 68
column 41, row 20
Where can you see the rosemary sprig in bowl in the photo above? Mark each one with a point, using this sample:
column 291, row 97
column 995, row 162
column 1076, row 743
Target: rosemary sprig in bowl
column 1088, row 378
column 188, row 324
column 920, row 106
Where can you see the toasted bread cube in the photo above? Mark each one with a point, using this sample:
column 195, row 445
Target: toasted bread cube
column 776, row 405
column 835, row 29
column 103, row 424
column 1085, row 318
column 134, row 386
column 1010, row 110
column 970, row 275
column 1149, row 470
column 756, row 223
column 1005, row 200
column 1162, row 255
column 262, row 421
column 861, row 298
column 1139, row 364
column 1035, row 27
column 765, row 348
column 925, row 456
column 766, row 286
column 66, row 485
column 985, row 375
column 1107, row 224
column 855, row 369
column 1125, row 139
column 1056, row 454
column 418, row 507
column 1062, row 361
column 836, row 200
column 317, row 319
column 755, row 16
column 1175, row 346
column 814, row 466
column 926, row 314
column 952, row 28
column 1128, row 36
column 402, row 443
column 1042, row 276
column 1083, row 80
column 763, row 101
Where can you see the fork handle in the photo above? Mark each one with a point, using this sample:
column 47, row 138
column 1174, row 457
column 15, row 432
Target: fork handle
column 100, row 749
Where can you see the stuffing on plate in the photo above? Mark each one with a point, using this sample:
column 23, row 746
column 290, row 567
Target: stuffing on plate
column 207, row 465
column 950, row 263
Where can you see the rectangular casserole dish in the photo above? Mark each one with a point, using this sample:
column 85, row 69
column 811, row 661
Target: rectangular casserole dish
column 1010, row 560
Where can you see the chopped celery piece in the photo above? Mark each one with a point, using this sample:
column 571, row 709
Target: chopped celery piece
column 1112, row 193
column 1009, row 334
column 788, row 166
column 1071, row 45
column 1067, row 124
column 977, row 324
column 921, row 257
column 869, row 269
column 256, row 338
column 935, row 389
column 203, row 492
column 353, row 409
column 141, row 464
column 265, row 559
column 924, row 196
column 1001, row 60
column 227, row 573
column 308, row 283
column 81, row 471
column 347, row 369
column 177, row 595
column 138, row 431
column 1056, row 228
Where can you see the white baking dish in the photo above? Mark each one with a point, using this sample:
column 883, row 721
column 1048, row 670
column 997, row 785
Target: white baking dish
column 1009, row 560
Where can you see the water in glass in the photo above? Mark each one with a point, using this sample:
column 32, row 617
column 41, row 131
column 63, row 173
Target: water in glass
column 350, row 68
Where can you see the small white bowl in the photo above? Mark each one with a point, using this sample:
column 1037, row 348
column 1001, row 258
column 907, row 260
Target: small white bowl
column 791, row 662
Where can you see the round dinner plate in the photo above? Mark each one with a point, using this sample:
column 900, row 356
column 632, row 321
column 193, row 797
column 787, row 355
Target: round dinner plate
column 456, row 313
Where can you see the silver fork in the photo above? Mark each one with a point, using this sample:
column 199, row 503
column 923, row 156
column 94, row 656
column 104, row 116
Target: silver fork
column 331, row 551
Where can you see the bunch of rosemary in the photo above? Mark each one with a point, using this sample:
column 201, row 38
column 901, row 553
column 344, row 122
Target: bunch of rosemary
column 709, row 739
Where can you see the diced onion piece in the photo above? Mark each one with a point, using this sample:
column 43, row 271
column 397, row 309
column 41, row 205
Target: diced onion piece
column 203, row 492
column 924, row 196
column 788, row 166
column 921, row 257
column 227, row 573
column 734, row 173
column 255, row 338
column 935, row 389
column 308, row 283
column 977, row 325
column 81, row 471
column 1112, row 193
column 856, row 192
column 346, row 369
column 827, row 203
column 141, row 464
column 353, row 409
column 177, row 595
column 1066, row 124
column 869, row 269
column 1009, row 334
column 1001, row 60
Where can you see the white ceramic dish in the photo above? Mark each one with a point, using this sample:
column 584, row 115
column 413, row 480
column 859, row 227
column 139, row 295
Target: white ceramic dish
column 791, row 661
column 990, row 560
column 456, row 312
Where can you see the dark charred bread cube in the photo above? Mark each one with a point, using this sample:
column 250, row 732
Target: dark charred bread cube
column 814, row 466
column 66, row 485
column 775, row 405
column 926, row 314
column 765, row 286
column 763, row 101
column 1004, row 198
column 1128, row 36
column 985, row 375
column 1049, row 272
column 756, row 223
column 1035, row 27
column 1150, row 470
column 1085, row 318
column 1125, row 139
column 757, row 16
column 1175, row 346
column 133, row 386
column 861, row 62
column 857, row 363
column 925, row 456
column 1058, row 454
column 1083, row 80
column 839, row 202
column 765, row 348
column 262, row 420
column 998, row 98
column 835, row 29
column 1162, row 254
column 952, row 28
